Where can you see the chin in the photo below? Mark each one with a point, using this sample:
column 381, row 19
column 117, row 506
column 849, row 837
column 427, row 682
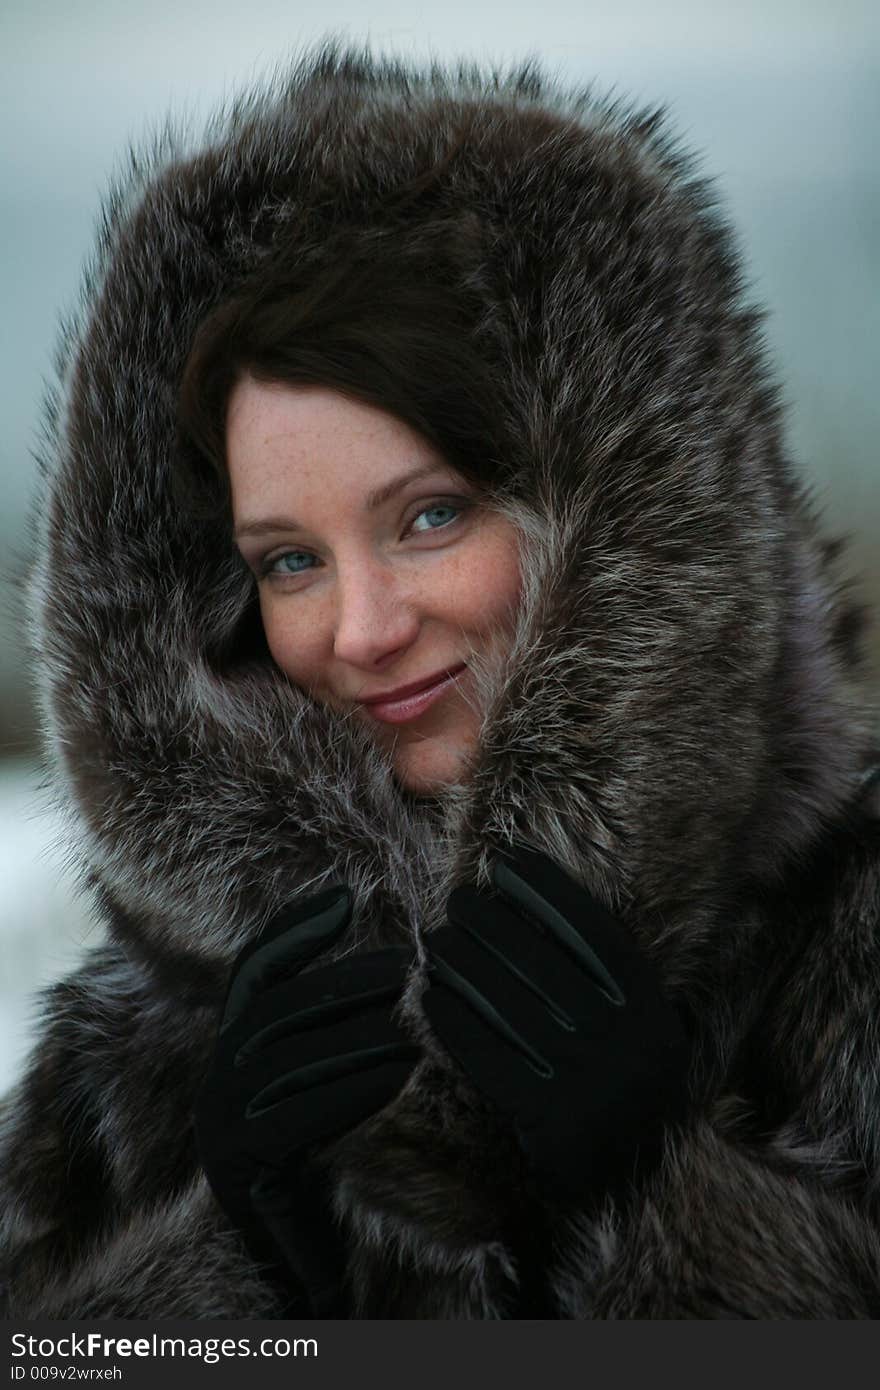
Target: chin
column 430, row 766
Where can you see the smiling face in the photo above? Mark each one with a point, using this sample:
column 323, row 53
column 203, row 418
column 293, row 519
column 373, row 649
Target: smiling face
column 379, row 569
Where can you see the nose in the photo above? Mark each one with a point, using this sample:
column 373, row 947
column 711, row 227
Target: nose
column 377, row 615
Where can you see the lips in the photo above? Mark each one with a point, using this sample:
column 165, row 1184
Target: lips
column 409, row 701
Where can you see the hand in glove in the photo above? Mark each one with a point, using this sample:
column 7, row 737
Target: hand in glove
column 557, row 1017
column 300, row 1059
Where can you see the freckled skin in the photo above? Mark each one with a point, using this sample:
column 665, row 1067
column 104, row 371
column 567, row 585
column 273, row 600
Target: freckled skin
column 360, row 600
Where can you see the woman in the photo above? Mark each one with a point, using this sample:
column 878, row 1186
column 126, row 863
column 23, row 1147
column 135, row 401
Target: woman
column 657, row 710
column 388, row 584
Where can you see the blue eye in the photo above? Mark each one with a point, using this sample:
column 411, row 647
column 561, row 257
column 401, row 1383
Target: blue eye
column 285, row 564
column 444, row 510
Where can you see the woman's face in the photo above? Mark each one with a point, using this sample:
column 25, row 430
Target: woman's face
column 378, row 568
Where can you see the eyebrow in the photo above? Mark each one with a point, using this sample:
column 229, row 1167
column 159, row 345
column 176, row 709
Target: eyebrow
column 375, row 499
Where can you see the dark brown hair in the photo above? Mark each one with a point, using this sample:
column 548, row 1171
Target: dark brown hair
column 401, row 331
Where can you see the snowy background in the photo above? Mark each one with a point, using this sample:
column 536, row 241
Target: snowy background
column 781, row 97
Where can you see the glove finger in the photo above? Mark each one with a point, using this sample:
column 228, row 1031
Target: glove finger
column 356, row 1044
column 505, row 1069
column 521, row 955
column 299, row 933
column 317, row 1000
column 317, row 1103
column 600, row 945
column 522, row 1015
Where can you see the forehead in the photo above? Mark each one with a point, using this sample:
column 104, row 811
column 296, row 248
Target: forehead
column 286, row 441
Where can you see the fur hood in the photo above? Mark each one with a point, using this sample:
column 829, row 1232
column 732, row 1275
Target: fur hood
column 681, row 723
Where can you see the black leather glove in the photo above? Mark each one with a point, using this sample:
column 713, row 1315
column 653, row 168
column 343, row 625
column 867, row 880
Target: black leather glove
column 557, row 1017
column 299, row 1060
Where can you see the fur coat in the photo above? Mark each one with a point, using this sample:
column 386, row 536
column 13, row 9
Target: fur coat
column 681, row 722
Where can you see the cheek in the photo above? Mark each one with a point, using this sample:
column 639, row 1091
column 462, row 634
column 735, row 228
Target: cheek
column 490, row 583
column 295, row 645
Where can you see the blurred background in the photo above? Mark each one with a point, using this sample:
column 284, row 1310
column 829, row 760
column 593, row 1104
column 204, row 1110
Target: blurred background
column 781, row 99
